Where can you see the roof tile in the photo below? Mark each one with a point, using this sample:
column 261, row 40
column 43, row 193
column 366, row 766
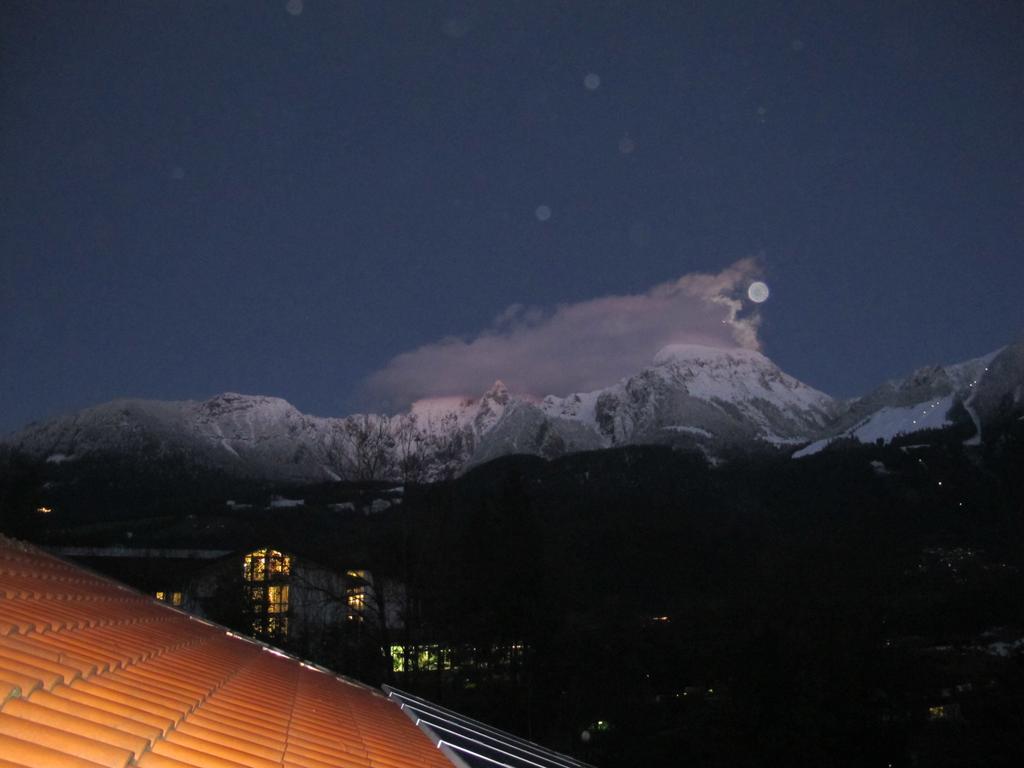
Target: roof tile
column 116, row 720
column 25, row 753
column 39, row 713
column 93, row 673
column 63, row 741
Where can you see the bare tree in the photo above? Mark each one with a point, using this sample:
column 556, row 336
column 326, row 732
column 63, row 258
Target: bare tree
column 410, row 445
column 367, row 448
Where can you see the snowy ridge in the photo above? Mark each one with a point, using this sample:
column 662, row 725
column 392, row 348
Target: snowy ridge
column 733, row 395
column 888, row 423
column 691, row 396
column 926, row 399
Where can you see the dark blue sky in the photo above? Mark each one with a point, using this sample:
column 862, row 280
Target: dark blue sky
column 198, row 197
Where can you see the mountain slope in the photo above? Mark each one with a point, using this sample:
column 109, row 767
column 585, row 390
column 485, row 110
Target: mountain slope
column 694, row 397
column 934, row 397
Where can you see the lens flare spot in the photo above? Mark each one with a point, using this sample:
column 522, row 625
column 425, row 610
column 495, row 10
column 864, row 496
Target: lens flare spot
column 758, row 292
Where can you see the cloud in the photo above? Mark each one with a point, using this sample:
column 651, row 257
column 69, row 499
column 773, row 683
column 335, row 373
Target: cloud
column 578, row 347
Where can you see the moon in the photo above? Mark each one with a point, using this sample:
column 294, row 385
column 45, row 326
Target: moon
column 758, row 292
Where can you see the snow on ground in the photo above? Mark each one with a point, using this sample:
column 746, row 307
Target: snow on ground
column 816, row 447
column 736, row 374
column 966, row 375
column 690, row 430
column 279, row 502
column 889, row 422
column 432, row 412
column 1005, row 649
column 773, row 439
column 581, row 406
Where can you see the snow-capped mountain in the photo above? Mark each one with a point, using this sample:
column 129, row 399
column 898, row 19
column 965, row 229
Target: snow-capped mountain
column 934, row 397
column 690, row 396
column 252, row 435
column 695, row 393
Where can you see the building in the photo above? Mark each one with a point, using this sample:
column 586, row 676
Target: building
column 93, row 673
column 275, row 595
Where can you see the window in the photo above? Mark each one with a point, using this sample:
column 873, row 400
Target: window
column 266, row 572
column 355, row 596
column 277, row 599
column 264, row 564
column 174, row 598
column 425, row 658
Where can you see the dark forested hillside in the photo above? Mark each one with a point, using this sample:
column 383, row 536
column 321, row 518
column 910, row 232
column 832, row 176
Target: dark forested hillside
column 637, row 606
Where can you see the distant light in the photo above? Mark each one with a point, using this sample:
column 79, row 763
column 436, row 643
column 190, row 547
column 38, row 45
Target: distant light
column 44, row 510
column 592, row 81
column 294, row 7
column 543, row 213
column 626, row 145
column 758, row 292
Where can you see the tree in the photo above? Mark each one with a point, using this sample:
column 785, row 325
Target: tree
column 367, row 448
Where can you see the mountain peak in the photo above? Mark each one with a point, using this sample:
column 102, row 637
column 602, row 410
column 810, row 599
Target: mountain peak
column 234, row 402
column 690, row 353
column 498, row 392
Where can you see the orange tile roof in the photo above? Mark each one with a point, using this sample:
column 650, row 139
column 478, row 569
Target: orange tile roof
column 93, row 673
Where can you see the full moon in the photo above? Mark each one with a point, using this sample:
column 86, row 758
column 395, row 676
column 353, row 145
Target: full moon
column 757, row 292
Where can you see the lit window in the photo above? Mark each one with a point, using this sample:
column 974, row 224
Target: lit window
column 426, row 658
column 264, row 564
column 176, row 598
column 160, row 595
column 937, row 713
column 277, row 626
column 267, row 571
column 277, row 599
column 398, row 658
column 355, row 596
column 356, row 599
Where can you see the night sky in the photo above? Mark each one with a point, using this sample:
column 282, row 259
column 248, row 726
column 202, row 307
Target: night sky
column 326, row 200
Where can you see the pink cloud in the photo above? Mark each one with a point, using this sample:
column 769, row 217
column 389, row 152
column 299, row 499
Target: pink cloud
column 578, row 347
